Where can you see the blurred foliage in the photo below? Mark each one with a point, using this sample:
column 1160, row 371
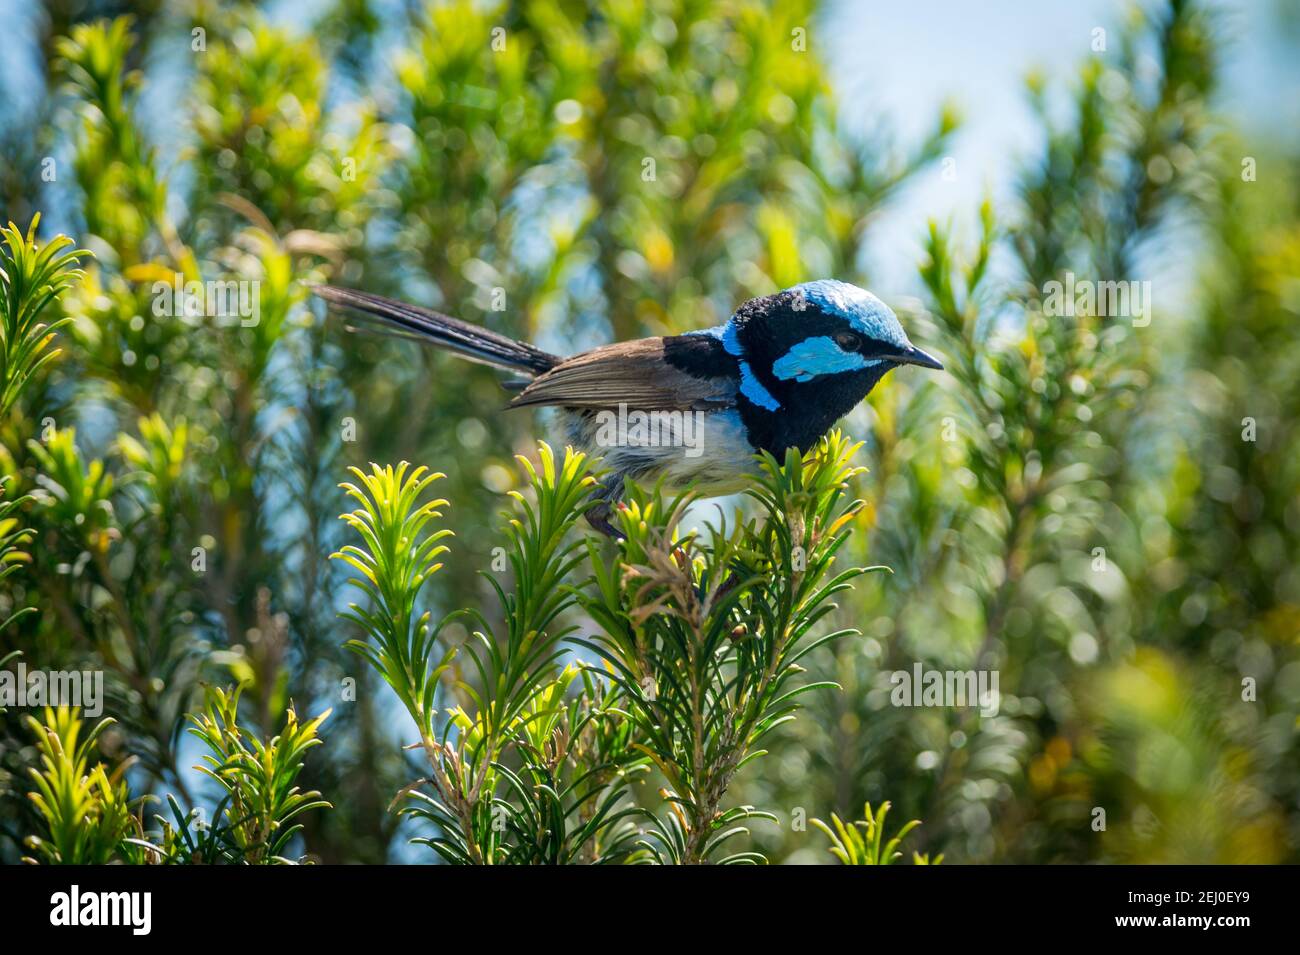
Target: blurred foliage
column 1105, row 512
column 1035, row 511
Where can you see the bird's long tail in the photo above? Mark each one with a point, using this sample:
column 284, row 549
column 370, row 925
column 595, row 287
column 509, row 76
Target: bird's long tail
column 469, row 341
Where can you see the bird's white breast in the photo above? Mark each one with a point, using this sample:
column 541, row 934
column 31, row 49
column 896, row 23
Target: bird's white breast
column 707, row 449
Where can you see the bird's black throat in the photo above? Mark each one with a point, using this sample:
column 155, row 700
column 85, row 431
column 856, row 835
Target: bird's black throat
column 808, row 408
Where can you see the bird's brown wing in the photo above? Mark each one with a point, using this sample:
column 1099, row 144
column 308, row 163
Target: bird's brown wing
column 634, row 373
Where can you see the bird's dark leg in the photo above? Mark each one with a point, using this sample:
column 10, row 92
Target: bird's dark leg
column 607, row 496
column 598, row 518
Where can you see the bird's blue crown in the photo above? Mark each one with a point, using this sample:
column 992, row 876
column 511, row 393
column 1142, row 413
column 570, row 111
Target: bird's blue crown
column 866, row 313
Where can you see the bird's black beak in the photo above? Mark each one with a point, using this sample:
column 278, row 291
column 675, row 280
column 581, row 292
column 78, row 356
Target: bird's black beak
column 914, row 356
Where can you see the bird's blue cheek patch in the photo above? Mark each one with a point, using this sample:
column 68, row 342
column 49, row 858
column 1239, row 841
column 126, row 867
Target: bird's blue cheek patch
column 753, row 389
column 818, row 356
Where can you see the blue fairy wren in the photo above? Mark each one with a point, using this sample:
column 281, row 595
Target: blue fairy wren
column 690, row 409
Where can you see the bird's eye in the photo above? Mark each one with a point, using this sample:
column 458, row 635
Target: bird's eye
column 848, row 341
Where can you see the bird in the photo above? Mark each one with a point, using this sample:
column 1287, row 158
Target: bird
column 691, row 409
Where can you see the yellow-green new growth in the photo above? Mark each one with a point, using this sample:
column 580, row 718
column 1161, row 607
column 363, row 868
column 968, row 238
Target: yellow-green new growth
column 85, row 812
column 863, row 841
column 32, row 276
column 395, row 562
column 258, row 776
